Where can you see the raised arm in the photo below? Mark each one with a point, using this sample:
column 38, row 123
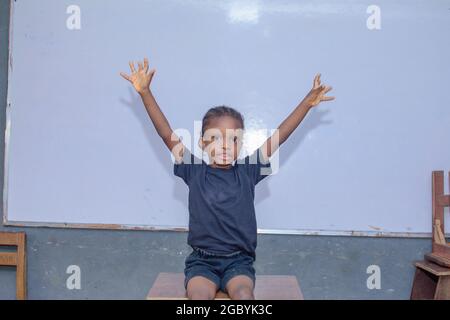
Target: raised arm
column 312, row 99
column 141, row 82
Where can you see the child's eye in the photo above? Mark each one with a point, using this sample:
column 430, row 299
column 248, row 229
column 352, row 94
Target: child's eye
column 215, row 138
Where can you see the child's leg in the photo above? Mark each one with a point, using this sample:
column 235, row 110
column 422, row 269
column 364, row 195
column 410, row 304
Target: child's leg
column 240, row 287
column 201, row 288
column 238, row 279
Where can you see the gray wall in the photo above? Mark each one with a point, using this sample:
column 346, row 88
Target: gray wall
column 123, row 264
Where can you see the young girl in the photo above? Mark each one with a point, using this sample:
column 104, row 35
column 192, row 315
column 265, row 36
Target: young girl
column 222, row 222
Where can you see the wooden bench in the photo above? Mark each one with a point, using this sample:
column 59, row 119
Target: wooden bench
column 16, row 259
column 170, row 286
column 431, row 281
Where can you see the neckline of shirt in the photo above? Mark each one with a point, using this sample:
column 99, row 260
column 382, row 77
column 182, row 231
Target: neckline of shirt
column 221, row 169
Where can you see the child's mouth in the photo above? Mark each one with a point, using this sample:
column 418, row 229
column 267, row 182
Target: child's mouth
column 223, row 156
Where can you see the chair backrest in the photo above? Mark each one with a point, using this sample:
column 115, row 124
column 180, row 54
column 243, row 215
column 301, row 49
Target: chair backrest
column 17, row 259
column 439, row 202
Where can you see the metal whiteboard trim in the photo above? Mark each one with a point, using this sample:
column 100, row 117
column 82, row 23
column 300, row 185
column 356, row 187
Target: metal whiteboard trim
column 317, row 232
column 8, row 116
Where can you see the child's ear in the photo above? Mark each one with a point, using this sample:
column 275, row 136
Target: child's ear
column 200, row 143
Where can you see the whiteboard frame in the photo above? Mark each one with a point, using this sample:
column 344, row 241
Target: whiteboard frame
column 306, row 232
column 11, row 223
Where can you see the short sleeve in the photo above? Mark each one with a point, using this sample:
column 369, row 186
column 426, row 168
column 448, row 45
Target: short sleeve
column 185, row 169
column 256, row 168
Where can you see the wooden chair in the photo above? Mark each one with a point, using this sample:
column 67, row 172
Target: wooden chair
column 432, row 277
column 170, row 286
column 431, row 281
column 441, row 249
column 17, row 259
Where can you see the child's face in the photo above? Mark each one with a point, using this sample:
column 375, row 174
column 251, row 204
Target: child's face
column 222, row 140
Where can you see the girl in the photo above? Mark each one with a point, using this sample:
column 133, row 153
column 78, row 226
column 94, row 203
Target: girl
column 222, row 222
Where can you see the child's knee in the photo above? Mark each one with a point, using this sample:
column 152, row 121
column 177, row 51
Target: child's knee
column 242, row 293
column 200, row 293
column 197, row 289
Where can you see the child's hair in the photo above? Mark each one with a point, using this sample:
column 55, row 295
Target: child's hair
column 220, row 111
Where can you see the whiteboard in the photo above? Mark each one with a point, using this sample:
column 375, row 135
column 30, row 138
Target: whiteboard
column 81, row 150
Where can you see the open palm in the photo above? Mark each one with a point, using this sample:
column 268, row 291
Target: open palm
column 141, row 78
column 317, row 93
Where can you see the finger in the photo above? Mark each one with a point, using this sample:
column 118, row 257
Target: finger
column 316, row 82
column 132, row 67
column 327, row 89
column 145, row 65
column 327, row 98
column 124, row 75
column 140, row 67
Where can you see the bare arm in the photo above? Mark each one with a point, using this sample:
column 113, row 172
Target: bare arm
column 141, row 82
column 313, row 98
column 159, row 120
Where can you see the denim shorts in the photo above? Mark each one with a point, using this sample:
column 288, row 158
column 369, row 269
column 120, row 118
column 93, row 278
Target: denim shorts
column 218, row 268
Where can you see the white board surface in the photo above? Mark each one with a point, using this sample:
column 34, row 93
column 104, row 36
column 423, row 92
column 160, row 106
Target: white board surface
column 81, row 150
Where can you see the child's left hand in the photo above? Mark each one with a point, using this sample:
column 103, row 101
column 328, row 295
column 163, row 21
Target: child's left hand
column 317, row 93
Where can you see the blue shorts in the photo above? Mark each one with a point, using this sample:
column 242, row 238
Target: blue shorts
column 218, row 268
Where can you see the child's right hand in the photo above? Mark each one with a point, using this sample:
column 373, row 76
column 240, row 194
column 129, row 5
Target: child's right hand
column 141, row 78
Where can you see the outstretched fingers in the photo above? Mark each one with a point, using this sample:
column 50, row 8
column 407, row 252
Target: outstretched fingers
column 133, row 70
column 145, row 65
column 323, row 90
column 125, row 76
column 326, row 89
column 142, row 66
column 316, row 82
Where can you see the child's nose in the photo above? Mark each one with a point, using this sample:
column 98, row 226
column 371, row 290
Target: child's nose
column 226, row 145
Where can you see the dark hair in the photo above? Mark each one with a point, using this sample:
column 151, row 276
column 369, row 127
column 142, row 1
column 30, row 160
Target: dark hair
column 221, row 111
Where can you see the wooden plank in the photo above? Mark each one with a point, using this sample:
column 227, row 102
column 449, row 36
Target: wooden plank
column 437, row 190
column 444, row 201
column 442, row 250
column 438, row 259
column 433, row 268
column 443, row 289
column 8, row 258
column 424, row 285
column 277, row 287
column 439, row 236
column 170, row 286
column 21, row 272
column 8, row 238
column 17, row 259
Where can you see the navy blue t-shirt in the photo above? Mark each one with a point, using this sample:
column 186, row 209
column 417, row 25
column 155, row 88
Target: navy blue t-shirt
column 221, row 202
